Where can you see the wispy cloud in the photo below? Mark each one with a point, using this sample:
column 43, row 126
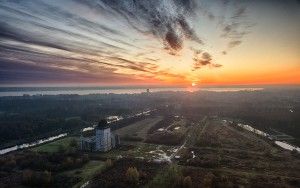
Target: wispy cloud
column 203, row 59
column 110, row 38
column 236, row 26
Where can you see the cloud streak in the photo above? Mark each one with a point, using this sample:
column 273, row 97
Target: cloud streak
column 203, row 59
column 165, row 20
column 236, row 27
column 115, row 38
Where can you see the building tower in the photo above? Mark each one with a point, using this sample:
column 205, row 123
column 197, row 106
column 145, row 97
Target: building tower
column 103, row 136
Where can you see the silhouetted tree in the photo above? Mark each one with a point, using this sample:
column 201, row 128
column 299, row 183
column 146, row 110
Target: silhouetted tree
column 132, row 175
column 187, row 182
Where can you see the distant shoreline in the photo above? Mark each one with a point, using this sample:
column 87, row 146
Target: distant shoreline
column 31, row 91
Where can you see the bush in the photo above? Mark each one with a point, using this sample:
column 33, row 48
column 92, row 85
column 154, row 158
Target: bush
column 61, row 149
column 85, row 158
column 27, row 176
column 35, row 178
column 132, row 175
column 208, row 180
column 187, row 182
column 10, row 164
column 108, row 163
column 73, row 143
column 171, row 177
column 295, row 153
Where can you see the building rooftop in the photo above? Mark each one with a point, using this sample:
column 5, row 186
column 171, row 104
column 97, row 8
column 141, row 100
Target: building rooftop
column 102, row 124
column 88, row 133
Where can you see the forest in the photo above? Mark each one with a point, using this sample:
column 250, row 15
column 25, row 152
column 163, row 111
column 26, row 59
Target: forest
column 26, row 118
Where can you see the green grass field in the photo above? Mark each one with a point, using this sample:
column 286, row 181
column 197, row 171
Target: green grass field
column 54, row 146
column 86, row 172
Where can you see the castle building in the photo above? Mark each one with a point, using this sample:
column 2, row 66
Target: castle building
column 99, row 139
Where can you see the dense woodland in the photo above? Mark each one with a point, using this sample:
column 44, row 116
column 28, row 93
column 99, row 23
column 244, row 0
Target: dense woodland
column 26, row 118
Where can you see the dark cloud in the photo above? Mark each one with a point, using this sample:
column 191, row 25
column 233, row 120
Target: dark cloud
column 78, row 64
column 205, row 59
column 206, row 56
column 46, row 34
column 151, row 59
column 167, row 20
column 174, row 40
column 216, row 65
column 22, row 73
column 19, row 12
column 8, row 32
column 211, row 16
column 240, row 12
column 234, row 43
column 188, row 30
column 225, row 2
column 134, row 65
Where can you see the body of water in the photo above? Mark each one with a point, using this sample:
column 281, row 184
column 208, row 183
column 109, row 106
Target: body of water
column 31, row 144
column 20, row 91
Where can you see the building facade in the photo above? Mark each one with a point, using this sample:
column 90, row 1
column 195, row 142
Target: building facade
column 99, row 139
column 103, row 139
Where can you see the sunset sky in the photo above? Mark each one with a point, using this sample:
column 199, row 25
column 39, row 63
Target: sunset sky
column 140, row 42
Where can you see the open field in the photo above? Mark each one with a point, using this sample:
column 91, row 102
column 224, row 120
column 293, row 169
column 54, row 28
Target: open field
column 218, row 134
column 84, row 173
column 239, row 155
column 54, row 146
column 138, row 131
column 170, row 133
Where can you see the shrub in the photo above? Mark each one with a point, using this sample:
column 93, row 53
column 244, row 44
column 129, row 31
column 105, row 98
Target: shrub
column 295, row 153
column 171, row 177
column 208, row 180
column 61, row 149
column 10, row 164
column 108, row 163
column 132, row 175
column 73, row 143
column 187, row 182
column 85, row 158
column 35, row 178
column 27, row 176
